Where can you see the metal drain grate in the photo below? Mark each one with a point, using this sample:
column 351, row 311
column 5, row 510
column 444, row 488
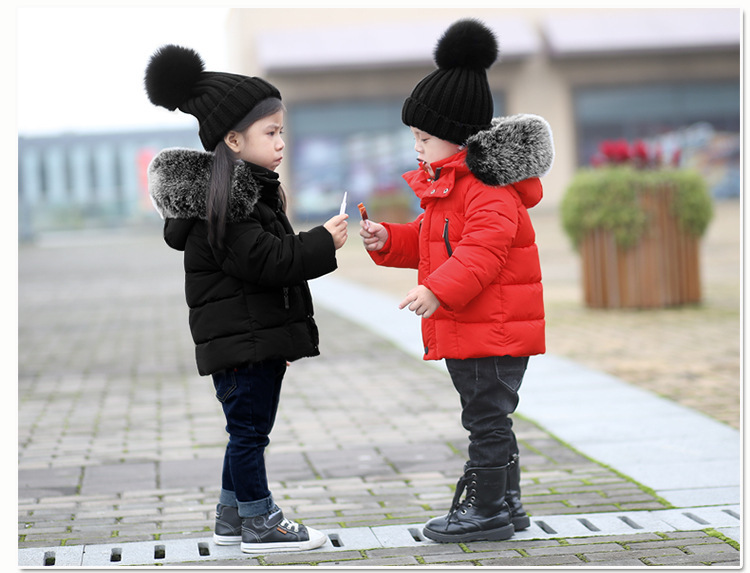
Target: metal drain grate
column 171, row 552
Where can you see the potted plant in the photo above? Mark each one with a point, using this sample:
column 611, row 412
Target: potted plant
column 637, row 221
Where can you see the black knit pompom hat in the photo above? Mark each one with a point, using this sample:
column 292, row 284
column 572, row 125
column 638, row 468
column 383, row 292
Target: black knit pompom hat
column 455, row 102
column 176, row 79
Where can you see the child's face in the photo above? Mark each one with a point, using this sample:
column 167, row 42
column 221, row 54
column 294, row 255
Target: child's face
column 261, row 143
column 431, row 149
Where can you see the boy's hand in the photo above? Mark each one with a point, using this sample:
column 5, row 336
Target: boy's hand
column 338, row 228
column 374, row 235
column 422, row 301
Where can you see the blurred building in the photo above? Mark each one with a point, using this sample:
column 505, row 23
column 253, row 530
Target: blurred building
column 671, row 75
column 595, row 75
column 75, row 180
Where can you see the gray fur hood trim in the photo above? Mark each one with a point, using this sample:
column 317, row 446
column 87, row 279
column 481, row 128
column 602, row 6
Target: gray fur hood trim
column 178, row 184
column 514, row 148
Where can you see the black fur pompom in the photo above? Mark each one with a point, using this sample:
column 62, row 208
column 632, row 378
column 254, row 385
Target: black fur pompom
column 466, row 44
column 171, row 74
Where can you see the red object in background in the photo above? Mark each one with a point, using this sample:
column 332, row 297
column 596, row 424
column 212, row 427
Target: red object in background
column 615, row 151
column 618, row 152
column 640, row 151
column 676, row 157
column 143, row 160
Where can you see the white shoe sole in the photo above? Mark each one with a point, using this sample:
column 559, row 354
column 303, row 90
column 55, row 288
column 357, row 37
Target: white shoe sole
column 316, row 540
column 227, row 539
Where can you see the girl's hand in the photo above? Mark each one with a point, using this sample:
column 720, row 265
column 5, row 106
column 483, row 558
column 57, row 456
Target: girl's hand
column 338, row 228
column 374, row 235
column 421, row 300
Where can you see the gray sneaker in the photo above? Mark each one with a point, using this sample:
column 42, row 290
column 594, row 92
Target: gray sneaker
column 228, row 527
column 272, row 533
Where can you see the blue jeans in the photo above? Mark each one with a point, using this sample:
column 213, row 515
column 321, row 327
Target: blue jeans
column 488, row 388
column 249, row 397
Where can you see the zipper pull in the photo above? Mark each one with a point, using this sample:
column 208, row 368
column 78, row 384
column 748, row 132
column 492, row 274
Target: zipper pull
column 446, row 238
column 286, row 298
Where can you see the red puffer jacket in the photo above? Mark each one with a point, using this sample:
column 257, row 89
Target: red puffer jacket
column 474, row 245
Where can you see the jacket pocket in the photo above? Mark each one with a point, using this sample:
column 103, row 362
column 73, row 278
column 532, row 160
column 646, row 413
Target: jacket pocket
column 446, row 229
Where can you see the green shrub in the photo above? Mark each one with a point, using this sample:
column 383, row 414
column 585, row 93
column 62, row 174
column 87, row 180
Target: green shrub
column 606, row 198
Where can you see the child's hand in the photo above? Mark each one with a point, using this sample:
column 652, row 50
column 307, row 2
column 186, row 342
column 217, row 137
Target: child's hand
column 338, row 228
column 422, row 301
column 374, row 235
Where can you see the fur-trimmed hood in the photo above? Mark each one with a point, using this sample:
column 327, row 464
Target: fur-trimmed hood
column 514, row 148
column 178, row 184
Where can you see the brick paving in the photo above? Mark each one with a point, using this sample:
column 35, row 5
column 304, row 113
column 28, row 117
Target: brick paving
column 119, row 440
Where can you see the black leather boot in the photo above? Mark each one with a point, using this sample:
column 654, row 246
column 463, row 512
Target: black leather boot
column 518, row 515
column 482, row 515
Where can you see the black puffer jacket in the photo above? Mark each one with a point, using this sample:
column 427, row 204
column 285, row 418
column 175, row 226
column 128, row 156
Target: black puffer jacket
column 252, row 303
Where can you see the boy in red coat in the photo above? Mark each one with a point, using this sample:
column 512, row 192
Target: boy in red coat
column 480, row 289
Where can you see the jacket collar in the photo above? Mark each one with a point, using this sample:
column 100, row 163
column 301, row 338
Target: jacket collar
column 265, row 176
column 446, row 171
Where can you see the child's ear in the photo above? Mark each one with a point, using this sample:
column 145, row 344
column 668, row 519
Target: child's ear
column 232, row 140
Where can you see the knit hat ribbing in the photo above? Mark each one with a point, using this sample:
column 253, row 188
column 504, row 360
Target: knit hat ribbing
column 176, row 79
column 455, row 102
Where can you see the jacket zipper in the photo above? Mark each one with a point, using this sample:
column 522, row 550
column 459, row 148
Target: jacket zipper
column 286, row 298
column 446, row 239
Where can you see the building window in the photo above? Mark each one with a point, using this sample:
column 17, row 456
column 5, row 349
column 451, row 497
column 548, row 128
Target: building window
column 117, row 176
column 68, row 177
column 43, row 175
column 96, row 179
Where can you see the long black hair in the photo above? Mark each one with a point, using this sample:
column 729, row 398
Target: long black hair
column 222, row 169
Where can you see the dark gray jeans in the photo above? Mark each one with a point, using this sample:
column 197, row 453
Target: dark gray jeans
column 488, row 388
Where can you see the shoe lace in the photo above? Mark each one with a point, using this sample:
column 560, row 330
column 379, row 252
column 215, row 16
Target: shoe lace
column 290, row 525
column 466, row 483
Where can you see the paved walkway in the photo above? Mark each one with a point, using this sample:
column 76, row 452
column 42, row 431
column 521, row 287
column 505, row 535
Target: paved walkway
column 120, row 441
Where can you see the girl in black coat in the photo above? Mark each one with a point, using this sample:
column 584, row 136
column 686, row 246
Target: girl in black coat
column 246, row 273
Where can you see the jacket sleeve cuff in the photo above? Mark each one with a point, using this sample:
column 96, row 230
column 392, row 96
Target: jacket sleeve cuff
column 318, row 252
column 401, row 249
